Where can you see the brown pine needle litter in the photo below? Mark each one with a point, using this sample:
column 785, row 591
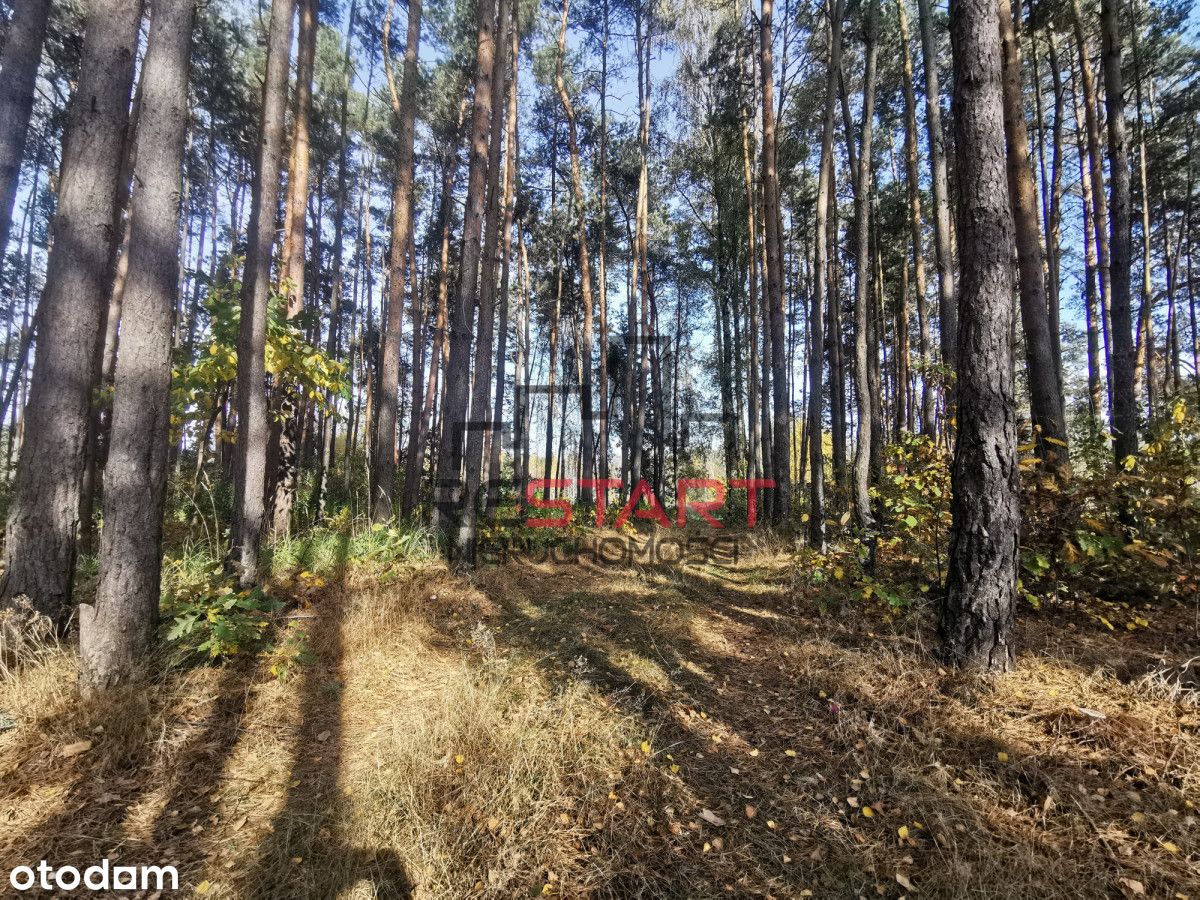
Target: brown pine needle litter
column 567, row 729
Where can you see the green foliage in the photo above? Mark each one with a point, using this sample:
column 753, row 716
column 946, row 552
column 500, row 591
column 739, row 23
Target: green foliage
column 1119, row 538
column 1113, row 543
column 205, row 616
column 914, row 497
column 200, row 384
column 345, row 543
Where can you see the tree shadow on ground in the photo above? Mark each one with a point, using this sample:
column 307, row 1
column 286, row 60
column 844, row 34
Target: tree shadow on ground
column 305, row 853
column 788, row 725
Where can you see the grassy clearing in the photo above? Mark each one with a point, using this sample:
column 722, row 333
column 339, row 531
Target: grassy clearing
column 659, row 731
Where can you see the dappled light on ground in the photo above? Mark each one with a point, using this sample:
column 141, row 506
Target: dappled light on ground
column 570, row 730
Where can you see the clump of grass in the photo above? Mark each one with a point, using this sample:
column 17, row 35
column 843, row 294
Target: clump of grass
column 353, row 546
column 25, row 637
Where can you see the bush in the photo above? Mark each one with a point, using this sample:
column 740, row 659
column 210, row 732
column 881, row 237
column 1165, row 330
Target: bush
column 205, row 616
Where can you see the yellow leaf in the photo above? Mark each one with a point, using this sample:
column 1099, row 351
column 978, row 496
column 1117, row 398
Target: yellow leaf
column 903, row 832
column 646, row 747
column 1002, row 756
column 789, row 752
column 203, row 887
column 868, row 812
column 1169, row 846
column 459, row 759
column 674, row 768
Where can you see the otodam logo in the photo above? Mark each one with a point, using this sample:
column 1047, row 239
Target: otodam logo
column 103, row 876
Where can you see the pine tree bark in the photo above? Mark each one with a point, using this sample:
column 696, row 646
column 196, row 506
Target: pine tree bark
column 448, row 508
column 43, row 521
column 782, row 422
column 862, row 281
column 1050, row 430
column 287, row 474
column 1099, row 220
column 1090, row 265
column 942, row 241
column 18, row 75
column 510, row 177
column 1125, row 412
column 252, row 427
column 602, row 248
column 404, row 107
column 913, row 185
column 481, row 390
column 816, row 324
column 587, row 426
column 115, row 631
column 977, row 614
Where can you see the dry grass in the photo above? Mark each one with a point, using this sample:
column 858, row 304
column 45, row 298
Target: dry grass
column 574, row 730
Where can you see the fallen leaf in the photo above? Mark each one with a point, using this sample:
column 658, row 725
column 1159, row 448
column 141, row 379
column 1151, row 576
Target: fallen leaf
column 902, row 880
column 1135, row 887
column 751, row 812
column 76, row 748
column 1002, row 756
column 203, row 887
column 711, row 817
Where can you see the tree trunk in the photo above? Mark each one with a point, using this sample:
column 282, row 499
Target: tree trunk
column 587, row 430
column 862, row 281
column 816, row 332
column 404, row 107
column 947, row 312
column 510, row 188
column 44, row 517
column 448, row 507
column 782, row 423
column 115, row 631
column 1091, row 301
column 1050, row 431
column 1099, row 205
column 287, row 474
column 252, row 426
column 1125, row 413
column 602, row 249
column 977, row 615
column 481, row 391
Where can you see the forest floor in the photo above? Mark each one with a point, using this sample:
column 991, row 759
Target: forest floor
column 575, row 729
